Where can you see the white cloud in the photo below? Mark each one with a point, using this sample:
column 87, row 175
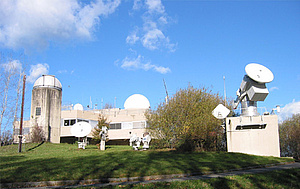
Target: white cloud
column 153, row 38
column 155, row 6
column 162, row 70
column 35, row 24
column 152, row 35
column 140, row 63
column 274, row 88
column 12, row 66
column 36, row 71
column 132, row 38
column 288, row 110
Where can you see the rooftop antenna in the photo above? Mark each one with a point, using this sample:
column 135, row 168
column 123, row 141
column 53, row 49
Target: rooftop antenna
column 167, row 97
column 253, row 88
column 115, row 102
column 224, row 91
column 91, row 104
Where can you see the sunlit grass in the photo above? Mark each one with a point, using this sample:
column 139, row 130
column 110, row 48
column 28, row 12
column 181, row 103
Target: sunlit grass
column 275, row 179
column 48, row 162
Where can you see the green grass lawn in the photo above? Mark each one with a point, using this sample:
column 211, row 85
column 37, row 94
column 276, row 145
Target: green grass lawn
column 49, row 162
column 288, row 179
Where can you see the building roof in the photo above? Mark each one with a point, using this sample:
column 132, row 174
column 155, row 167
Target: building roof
column 47, row 81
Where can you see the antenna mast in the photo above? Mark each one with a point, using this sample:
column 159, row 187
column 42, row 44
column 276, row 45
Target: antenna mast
column 167, row 97
column 224, row 91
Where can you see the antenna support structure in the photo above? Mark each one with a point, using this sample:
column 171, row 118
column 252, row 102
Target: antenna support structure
column 253, row 88
column 167, row 97
column 252, row 133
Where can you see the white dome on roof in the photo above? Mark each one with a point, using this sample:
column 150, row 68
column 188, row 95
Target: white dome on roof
column 78, row 107
column 47, row 81
column 137, row 101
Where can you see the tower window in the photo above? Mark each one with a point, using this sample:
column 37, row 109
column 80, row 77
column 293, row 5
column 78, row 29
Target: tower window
column 38, row 111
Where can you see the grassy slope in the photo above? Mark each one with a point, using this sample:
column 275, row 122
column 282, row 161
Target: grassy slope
column 65, row 162
column 275, row 179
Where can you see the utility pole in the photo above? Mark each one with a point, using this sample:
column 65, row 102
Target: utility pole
column 21, row 121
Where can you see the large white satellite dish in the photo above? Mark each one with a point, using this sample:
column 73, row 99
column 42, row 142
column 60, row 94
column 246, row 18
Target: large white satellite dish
column 81, row 129
column 259, row 73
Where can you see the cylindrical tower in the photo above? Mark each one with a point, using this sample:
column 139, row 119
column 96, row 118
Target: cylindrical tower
column 46, row 106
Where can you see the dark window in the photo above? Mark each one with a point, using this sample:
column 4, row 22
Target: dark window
column 115, row 126
column 73, row 121
column 38, row 111
column 66, row 122
column 69, row 122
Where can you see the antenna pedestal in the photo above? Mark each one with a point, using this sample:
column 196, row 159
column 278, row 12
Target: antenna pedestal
column 249, row 108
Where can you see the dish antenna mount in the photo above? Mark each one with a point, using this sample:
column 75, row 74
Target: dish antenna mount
column 253, row 88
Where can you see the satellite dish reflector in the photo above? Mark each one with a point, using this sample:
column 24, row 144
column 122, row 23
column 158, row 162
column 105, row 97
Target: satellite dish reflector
column 220, row 112
column 81, row 129
column 259, row 73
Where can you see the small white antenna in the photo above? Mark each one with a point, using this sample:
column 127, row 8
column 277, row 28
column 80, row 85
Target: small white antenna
column 224, row 91
column 91, row 104
column 167, row 97
column 115, row 102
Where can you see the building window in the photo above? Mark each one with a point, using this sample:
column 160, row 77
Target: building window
column 115, row 126
column 38, row 111
column 72, row 121
column 69, row 122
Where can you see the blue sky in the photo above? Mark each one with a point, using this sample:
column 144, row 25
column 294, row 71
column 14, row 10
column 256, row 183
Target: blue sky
column 113, row 49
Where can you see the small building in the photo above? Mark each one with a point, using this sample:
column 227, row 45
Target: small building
column 46, row 113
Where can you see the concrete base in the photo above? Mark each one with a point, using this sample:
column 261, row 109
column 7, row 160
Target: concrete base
column 257, row 135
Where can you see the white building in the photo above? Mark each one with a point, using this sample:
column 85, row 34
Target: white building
column 56, row 123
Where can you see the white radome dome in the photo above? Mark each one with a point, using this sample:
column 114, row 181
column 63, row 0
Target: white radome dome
column 47, row 81
column 137, row 101
column 78, row 107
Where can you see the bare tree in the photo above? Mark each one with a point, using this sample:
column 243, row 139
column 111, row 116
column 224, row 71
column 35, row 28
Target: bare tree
column 37, row 134
column 11, row 72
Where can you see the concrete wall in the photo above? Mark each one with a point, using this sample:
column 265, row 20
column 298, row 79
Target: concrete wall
column 49, row 100
column 256, row 141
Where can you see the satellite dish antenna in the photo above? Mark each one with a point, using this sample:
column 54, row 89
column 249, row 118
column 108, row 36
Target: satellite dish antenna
column 259, row 73
column 81, row 130
column 253, row 88
column 220, row 112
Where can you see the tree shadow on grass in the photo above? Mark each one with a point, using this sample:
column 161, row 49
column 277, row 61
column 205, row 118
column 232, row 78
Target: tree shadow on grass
column 38, row 145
